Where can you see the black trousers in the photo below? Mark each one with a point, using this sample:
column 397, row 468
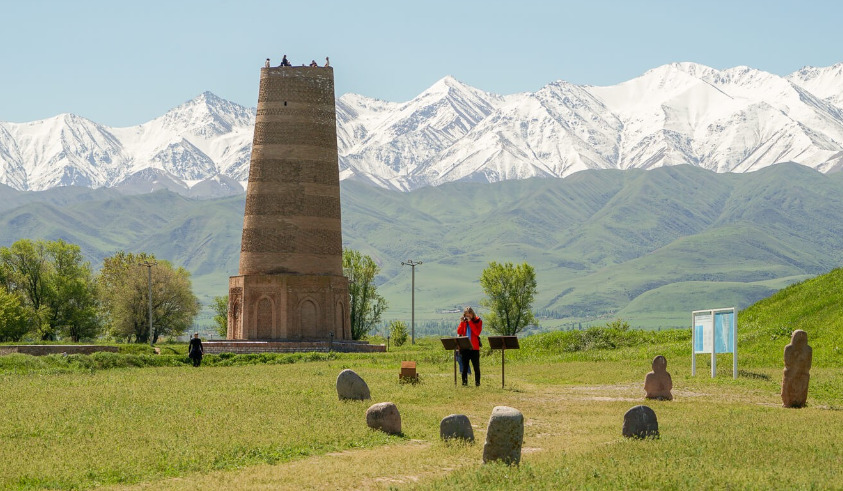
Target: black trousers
column 196, row 360
column 474, row 356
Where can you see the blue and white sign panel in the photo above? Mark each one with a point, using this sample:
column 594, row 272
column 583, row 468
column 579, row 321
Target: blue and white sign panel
column 714, row 331
column 723, row 323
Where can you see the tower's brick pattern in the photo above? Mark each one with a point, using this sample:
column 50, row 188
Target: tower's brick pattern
column 290, row 284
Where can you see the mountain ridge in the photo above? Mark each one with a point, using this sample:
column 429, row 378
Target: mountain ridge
column 735, row 120
column 648, row 246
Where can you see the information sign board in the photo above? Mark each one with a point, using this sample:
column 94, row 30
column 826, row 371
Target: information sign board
column 714, row 331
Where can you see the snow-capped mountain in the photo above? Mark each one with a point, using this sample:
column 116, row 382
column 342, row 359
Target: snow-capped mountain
column 735, row 120
column 194, row 142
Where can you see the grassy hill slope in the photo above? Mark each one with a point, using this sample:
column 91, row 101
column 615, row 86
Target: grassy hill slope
column 814, row 305
column 646, row 245
column 764, row 329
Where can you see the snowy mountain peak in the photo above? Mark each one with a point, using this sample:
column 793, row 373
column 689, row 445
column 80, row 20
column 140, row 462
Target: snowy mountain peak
column 209, row 105
column 697, row 70
column 824, row 82
column 206, row 116
column 450, row 88
column 445, row 84
column 810, row 72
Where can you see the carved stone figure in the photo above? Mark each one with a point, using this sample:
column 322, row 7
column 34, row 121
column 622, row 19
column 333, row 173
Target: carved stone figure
column 658, row 383
column 797, row 365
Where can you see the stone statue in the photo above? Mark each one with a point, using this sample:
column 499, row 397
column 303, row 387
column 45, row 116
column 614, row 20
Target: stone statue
column 797, row 364
column 658, row 383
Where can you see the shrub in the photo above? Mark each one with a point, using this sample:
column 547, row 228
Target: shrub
column 398, row 332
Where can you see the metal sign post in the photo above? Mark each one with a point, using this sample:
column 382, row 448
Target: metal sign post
column 503, row 343
column 451, row 345
column 456, row 344
column 412, row 264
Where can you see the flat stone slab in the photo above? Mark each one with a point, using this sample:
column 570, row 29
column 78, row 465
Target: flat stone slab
column 384, row 416
column 240, row 347
column 352, row 386
column 456, row 426
column 504, row 436
column 56, row 349
column 640, row 422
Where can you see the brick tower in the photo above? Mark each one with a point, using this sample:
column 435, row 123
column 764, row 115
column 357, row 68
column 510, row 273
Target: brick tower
column 290, row 285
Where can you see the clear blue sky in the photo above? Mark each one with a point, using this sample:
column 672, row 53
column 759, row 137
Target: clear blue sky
column 122, row 63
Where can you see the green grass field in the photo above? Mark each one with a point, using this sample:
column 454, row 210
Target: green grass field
column 134, row 420
column 281, row 426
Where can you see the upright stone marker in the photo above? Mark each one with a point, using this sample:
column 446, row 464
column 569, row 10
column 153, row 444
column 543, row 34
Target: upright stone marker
column 797, row 366
column 291, row 284
column 640, row 422
column 456, row 426
column 384, row 416
column 352, row 386
column 504, row 436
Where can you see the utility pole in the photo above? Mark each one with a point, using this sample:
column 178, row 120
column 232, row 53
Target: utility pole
column 149, row 264
column 412, row 264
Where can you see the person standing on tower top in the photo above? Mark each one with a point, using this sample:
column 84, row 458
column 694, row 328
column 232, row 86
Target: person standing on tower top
column 284, row 61
column 327, row 61
column 267, row 63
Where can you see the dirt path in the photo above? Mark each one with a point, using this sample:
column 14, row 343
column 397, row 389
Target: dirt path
column 375, row 468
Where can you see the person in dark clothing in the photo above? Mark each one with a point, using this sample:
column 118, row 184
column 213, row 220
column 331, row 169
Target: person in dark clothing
column 285, row 62
column 460, row 363
column 471, row 326
column 195, row 350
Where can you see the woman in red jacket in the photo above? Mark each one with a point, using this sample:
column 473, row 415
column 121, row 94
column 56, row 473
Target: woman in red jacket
column 471, row 326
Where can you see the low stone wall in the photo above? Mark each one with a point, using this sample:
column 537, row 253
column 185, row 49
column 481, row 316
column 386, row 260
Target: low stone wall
column 55, row 349
column 244, row 347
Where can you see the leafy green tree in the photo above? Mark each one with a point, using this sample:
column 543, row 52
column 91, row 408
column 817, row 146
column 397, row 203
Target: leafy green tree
column 220, row 306
column 124, row 290
column 56, row 285
column 398, row 332
column 509, row 296
column 14, row 322
column 73, row 304
column 366, row 305
column 5, row 280
column 27, row 270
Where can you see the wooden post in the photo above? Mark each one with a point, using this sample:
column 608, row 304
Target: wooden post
column 503, row 343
